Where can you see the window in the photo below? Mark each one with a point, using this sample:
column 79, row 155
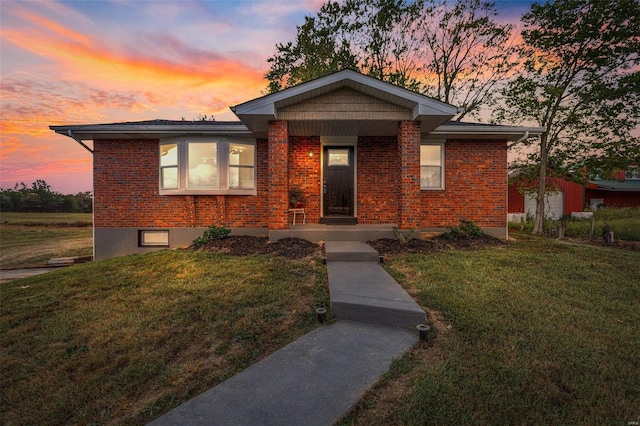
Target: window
column 205, row 166
column 202, row 158
column 431, row 166
column 169, row 166
column 241, row 165
column 338, row 157
column 153, row 238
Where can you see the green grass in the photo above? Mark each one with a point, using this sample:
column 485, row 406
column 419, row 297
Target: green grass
column 30, row 239
column 123, row 340
column 625, row 222
column 542, row 332
column 46, row 218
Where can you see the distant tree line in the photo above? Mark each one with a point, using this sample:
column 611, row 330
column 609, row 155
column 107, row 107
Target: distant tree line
column 39, row 198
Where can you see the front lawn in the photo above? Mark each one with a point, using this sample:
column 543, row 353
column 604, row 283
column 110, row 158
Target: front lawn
column 537, row 332
column 123, row 340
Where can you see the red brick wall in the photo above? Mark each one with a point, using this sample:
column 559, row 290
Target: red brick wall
column 304, row 171
column 126, row 186
column 278, row 170
column 475, row 186
column 126, row 192
column 378, row 175
column 409, row 211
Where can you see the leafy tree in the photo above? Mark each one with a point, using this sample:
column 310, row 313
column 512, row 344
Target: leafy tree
column 467, row 54
column 6, row 204
column 40, row 198
column 322, row 46
column 581, row 82
column 453, row 50
column 386, row 36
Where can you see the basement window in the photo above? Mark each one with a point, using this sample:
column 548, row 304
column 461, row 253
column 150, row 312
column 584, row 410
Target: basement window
column 153, row 238
column 207, row 166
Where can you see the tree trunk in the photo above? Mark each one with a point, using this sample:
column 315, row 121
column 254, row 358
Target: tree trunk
column 538, row 227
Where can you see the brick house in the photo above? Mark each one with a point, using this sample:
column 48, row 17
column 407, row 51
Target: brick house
column 367, row 155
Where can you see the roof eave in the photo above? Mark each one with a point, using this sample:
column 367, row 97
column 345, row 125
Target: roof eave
column 101, row 131
column 508, row 133
column 258, row 112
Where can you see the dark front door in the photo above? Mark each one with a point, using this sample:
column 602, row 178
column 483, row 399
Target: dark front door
column 338, row 184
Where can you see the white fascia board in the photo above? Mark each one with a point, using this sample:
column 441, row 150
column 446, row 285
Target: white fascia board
column 259, row 108
column 509, row 132
column 421, row 110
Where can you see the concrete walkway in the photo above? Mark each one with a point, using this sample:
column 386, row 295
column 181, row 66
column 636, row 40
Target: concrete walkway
column 319, row 377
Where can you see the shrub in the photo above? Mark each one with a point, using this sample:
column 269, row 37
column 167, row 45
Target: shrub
column 403, row 237
column 465, row 229
column 213, row 233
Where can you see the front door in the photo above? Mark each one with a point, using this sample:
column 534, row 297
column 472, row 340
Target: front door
column 338, row 183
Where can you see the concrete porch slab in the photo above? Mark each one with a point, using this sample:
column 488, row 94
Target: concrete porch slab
column 349, row 251
column 334, row 232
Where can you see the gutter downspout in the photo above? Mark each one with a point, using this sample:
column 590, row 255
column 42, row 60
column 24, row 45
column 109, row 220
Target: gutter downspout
column 75, row 138
column 524, row 136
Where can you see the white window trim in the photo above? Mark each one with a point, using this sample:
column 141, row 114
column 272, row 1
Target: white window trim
column 442, row 170
column 142, row 232
column 222, row 164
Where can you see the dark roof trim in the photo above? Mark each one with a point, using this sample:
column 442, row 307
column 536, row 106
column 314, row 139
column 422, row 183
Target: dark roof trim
column 154, row 128
column 630, row 185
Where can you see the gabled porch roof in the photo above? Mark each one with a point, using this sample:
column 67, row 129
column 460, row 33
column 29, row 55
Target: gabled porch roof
column 257, row 113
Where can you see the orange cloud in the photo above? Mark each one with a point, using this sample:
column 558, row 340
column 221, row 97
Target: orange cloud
column 89, row 60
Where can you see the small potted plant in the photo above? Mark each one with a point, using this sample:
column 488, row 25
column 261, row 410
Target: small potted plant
column 296, row 197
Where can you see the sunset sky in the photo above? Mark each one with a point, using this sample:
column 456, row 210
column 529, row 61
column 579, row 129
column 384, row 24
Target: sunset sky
column 81, row 62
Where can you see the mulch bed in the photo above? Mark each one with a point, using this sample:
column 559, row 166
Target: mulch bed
column 290, row 248
column 296, row 248
column 392, row 247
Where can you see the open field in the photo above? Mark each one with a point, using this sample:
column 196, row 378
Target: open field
column 13, row 218
column 123, row 340
column 537, row 332
column 29, row 239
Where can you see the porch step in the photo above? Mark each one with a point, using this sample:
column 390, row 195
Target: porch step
column 325, row 233
column 361, row 290
column 349, row 251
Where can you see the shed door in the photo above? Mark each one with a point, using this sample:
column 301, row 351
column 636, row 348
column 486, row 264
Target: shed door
column 338, row 183
column 553, row 207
